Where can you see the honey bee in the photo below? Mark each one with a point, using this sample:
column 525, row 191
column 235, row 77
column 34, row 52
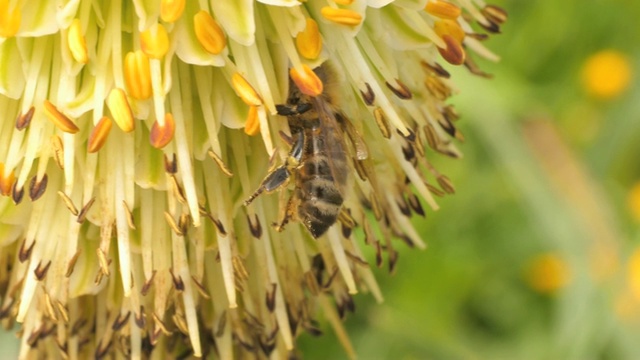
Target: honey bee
column 318, row 158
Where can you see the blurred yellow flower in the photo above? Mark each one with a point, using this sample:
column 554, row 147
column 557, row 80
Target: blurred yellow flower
column 633, row 201
column 606, row 74
column 548, row 273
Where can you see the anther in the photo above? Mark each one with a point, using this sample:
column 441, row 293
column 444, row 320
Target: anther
column 24, row 120
column 25, row 252
column 218, row 160
column 369, row 97
column 341, row 16
column 99, row 135
column 171, row 10
column 68, row 202
column 58, row 151
column 72, row 264
column 77, row 43
column 37, row 188
column 309, row 41
column 137, row 75
column 121, row 110
column 271, row 297
column 172, row 224
column 85, row 210
column 443, row 9
column 59, row 119
column 402, row 91
column 256, row 228
column 245, row 91
column 209, row 33
column 450, row 27
column 6, row 180
column 381, row 121
column 154, row 41
column 17, row 193
column 252, row 125
column 308, row 82
column 160, row 135
column 40, row 272
column 495, row 14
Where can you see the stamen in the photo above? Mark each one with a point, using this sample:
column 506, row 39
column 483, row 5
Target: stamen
column 443, row 9
column 341, row 16
column 209, row 33
column 245, row 91
column 308, row 82
column 155, row 41
column 6, row 180
column 77, row 42
column 252, row 125
column 454, row 53
column 450, row 27
column 161, row 135
column 9, row 18
column 120, row 109
column 99, row 135
column 218, row 160
column 24, row 120
column 171, row 10
column 309, row 41
column 59, row 119
column 137, row 75
column 343, row 2
column 381, row 121
column 58, row 151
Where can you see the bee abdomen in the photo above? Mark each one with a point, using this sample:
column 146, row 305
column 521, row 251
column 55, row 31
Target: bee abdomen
column 318, row 216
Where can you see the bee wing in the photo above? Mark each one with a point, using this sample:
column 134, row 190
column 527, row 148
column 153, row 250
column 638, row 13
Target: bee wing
column 358, row 146
column 332, row 135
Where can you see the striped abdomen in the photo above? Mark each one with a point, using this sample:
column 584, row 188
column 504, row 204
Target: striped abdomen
column 321, row 179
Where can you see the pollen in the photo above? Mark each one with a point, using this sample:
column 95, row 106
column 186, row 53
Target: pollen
column 155, row 41
column 209, row 33
column 77, row 43
column 606, row 74
column 309, row 41
column 308, row 82
column 161, row 135
column 633, row 274
column 449, row 27
column 171, row 10
column 9, row 20
column 341, row 16
column 59, row 119
column 120, row 109
column 6, row 180
column 99, row 135
column 443, row 9
column 137, row 75
column 245, row 91
column 252, row 126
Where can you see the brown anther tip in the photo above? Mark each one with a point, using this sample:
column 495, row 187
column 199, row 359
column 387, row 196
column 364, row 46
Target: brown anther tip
column 414, row 202
column 402, row 91
column 85, row 209
column 178, row 284
column 271, row 297
column 490, row 27
column 346, row 231
column 68, row 202
column 140, row 318
column 369, row 96
column 454, row 53
column 381, row 121
column 170, row 166
column 36, row 189
column 72, row 264
column 393, row 261
column 120, row 321
column 147, row 284
column 436, row 69
column 379, row 260
column 40, row 272
column 17, row 194
column 23, row 121
column 25, row 253
column 255, row 228
column 446, row 184
column 201, row 289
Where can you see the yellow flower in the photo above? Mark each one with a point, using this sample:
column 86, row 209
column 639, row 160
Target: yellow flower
column 135, row 238
column 606, row 74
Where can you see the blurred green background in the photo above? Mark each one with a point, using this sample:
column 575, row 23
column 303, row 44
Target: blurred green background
column 533, row 257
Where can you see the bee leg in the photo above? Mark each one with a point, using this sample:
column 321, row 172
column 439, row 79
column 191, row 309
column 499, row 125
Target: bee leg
column 289, row 110
column 273, row 181
column 289, row 213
